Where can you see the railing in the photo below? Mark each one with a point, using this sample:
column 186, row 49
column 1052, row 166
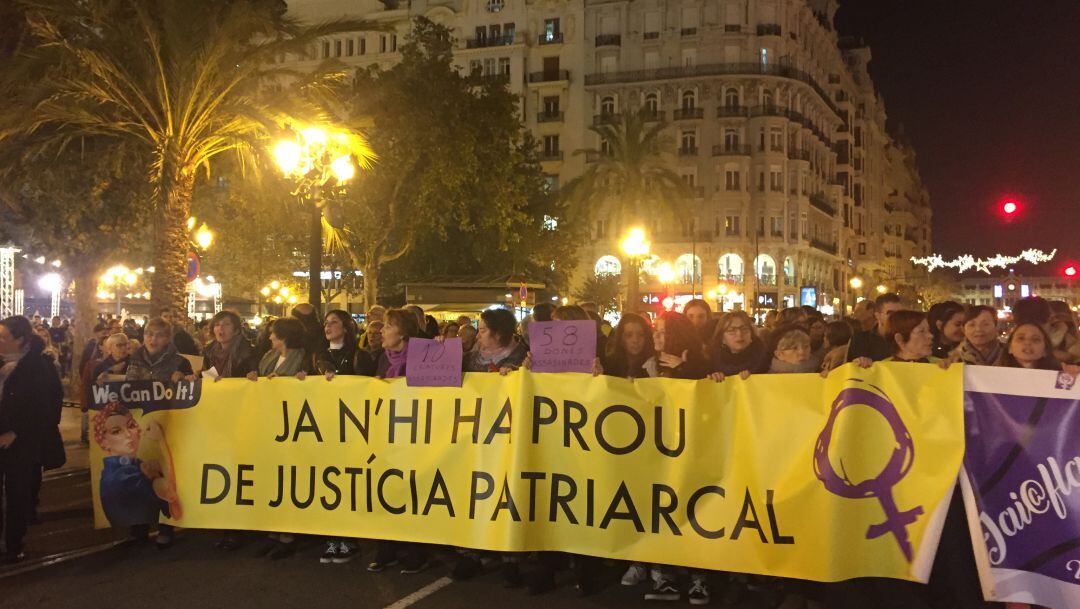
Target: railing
column 549, row 117
column 732, row 111
column 768, row 29
column 733, row 278
column 732, row 28
column 714, row 69
column 819, row 201
column 606, row 119
column 829, row 248
column 768, row 110
column 608, row 40
column 797, row 154
column 551, row 155
column 592, row 156
column 549, row 76
column 766, row 279
column 688, row 31
column 550, row 38
column 651, row 35
column 481, row 43
column 688, row 151
column 682, row 114
column 734, row 150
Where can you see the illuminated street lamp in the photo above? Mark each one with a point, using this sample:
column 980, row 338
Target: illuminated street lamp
column 636, row 249
column 117, row 277
column 204, row 237
column 54, row 285
column 881, row 289
column 856, row 283
column 313, row 157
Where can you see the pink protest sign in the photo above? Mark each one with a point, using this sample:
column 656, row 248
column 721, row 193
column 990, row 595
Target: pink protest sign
column 433, row 364
column 562, row 346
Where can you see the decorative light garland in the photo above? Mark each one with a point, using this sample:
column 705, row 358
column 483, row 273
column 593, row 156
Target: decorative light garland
column 967, row 261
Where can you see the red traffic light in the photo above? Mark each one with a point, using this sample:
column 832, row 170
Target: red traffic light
column 1010, row 207
column 1071, row 271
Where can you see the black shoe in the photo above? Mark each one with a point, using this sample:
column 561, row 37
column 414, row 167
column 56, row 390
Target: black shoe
column 511, row 575
column 384, row 558
column 12, row 558
column 164, row 541
column 465, row 568
column 663, row 590
column 412, row 565
column 283, row 550
column 345, row 553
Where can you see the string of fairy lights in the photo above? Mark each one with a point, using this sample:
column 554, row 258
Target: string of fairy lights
column 968, row 262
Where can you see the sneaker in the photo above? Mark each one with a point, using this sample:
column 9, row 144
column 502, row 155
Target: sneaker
column 699, row 593
column 345, row 553
column 636, row 574
column 663, row 590
column 412, row 567
column 330, row 554
column 466, row 567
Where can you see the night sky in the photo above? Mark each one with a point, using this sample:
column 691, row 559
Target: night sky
column 988, row 91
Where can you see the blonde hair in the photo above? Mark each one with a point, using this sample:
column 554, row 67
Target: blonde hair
column 793, row 339
column 117, row 339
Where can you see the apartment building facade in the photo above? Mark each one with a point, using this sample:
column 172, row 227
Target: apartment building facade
column 772, row 120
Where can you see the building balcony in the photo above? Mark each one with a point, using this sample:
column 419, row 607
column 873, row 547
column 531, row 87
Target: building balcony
column 688, row 151
column 688, row 31
column 483, row 43
column 657, row 116
column 683, row 114
column 549, row 117
column 551, row 155
column 593, row 156
column 549, row 76
column 550, row 38
column 713, row 69
column 819, row 201
column 732, row 28
column 732, row 112
column 651, row 35
column 797, row 154
column 828, row 248
column 733, row 150
column 767, row 110
column 768, row 29
column 606, row 119
column 608, row 40
column 730, row 277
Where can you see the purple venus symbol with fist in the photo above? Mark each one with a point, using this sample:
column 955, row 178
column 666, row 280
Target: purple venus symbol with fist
column 899, row 464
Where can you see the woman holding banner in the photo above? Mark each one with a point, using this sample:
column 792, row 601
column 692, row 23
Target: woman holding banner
column 30, row 399
column 981, row 345
column 342, row 356
column 229, row 354
column 400, row 327
column 1029, row 346
column 630, row 346
column 497, row 349
column 736, row 349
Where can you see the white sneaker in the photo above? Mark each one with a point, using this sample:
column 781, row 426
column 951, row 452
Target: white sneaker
column 636, row 574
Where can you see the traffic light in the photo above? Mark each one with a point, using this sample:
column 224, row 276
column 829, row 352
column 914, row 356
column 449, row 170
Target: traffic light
column 1010, row 208
column 1070, row 271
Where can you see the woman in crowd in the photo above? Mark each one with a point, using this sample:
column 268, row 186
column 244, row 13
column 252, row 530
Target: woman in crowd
column 1063, row 332
column 947, row 325
column 629, row 347
column 497, row 348
column 677, row 354
column 450, row 330
column 229, row 354
column 699, row 313
column 837, row 336
column 118, row 352
column 981, row 345
column 30, row 399
column 50, row 350
column 912, row 340
column 736, row 349
column 791, row 350
column 400, row 326
column 815, row 327
column 467, row 334
column 1029, row 346
column 342, row 356
column 286, row 357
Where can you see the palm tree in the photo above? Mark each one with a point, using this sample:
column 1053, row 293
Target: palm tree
column 631, row 178
column 182, row 80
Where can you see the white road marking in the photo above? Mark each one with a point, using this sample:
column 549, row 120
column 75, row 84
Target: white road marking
column 421, row 594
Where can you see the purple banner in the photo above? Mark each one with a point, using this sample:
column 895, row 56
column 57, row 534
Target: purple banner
column 1022, row 486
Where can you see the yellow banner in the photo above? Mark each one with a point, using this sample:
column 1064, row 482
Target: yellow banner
column 785, row 475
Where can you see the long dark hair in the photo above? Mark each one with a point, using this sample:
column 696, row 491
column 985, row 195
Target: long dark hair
column 349, row 324
column 20, row 327
column 616, row 359
column 1048, row 361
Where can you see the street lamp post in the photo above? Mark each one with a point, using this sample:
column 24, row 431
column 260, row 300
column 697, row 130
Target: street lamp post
column 117, row 277
column 636, row 249
column 312, row 158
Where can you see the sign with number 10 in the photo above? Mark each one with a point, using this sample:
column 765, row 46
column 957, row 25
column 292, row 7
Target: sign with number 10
column 432, row 363
column 562, row 346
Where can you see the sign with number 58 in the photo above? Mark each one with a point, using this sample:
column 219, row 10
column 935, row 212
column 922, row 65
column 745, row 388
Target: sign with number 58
column 562, row 346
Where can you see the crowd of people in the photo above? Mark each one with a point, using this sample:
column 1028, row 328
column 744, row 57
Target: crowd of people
column 696, row 343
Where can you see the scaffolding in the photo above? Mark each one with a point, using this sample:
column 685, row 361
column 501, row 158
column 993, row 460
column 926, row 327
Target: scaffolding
column 7, row 282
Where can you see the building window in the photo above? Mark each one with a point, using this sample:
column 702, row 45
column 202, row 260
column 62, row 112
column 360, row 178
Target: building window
column 688, row 142
column 601, row 229
column 862, row 249
column 776, row 139
column 761, row 181
column 337, row 48
column 350, row 47
column 689, row 179
column 551, row 145
column 652, row 103
column 731, row 139
column 551, row 105
column 731, row 226
column 382, row 43
column 776, row 180
column 393, row 43
column 764, row 58
column 551, row 29
column 504, row 66
column 325, row 49
column 731, row 98
column 776, row 226
column 689, row 100
column 607, row 106
column 363, row 45
column 731, row 180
